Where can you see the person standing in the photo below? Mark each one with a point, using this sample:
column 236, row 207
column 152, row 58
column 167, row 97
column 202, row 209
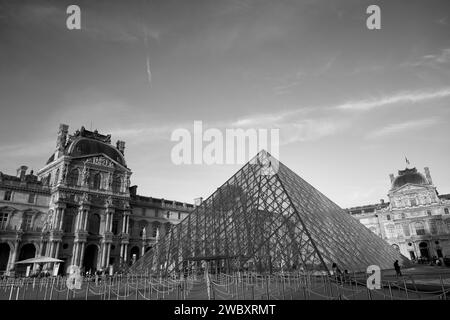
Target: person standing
column 397, row 269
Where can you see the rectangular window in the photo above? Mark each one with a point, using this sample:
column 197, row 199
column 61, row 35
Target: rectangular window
column 406, row 230
column 115, row 226
column 31, row 198
column 413, row 202
column 68, row 221
column 7, row 196
column 27, row 222
column 3, row 220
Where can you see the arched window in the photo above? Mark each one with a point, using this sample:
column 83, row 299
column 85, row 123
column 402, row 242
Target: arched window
column 72, row 179
column 420, row 230
column 396, row 247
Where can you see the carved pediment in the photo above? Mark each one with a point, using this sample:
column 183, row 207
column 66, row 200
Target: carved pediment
column 101, row 161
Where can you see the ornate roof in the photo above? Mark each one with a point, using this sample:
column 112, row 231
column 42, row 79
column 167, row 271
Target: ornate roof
column 84, row 147
column 408, row 176
column 84, row 143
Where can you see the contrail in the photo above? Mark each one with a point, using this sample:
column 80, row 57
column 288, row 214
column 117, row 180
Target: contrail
column 149, row 72
column 147, row 49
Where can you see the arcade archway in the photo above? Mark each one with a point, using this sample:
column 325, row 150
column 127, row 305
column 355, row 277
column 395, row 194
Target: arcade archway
column 4, row 256
column 90, row 258
column 423, row 247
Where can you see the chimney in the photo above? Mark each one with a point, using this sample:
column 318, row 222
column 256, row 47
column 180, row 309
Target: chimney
column 391, row 176
column 198, row 201
column 382, row 201
column 428, row 175
column 133, row 191
column 62, row 137
column 21, row 172
column 121, row 146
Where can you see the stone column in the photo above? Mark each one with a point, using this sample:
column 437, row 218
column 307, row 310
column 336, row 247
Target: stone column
column 121, row 252
column 85, row 220
column 57, row 250
column 124, row 222
column 61, row 219
column 127, row 230
column 103, row 255
column 76, row 250
column 108, row 253
column 82, row 254
column 125, row 254
column 13, row 257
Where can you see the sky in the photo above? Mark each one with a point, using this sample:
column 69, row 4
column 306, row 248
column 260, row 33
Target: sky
column 350, row 103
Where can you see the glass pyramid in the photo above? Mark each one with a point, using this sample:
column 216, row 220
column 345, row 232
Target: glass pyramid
column 267, row 219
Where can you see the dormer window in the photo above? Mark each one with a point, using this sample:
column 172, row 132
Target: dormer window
column 445, row 210
column 388, row 217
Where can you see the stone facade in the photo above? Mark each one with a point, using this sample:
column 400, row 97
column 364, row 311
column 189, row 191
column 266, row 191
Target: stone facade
column 80, row 208
column 416, row 219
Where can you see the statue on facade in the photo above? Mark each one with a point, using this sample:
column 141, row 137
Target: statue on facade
column 64, row 173
column 48, row 223
column 83, row 198
column 85, row 175
column 110, row 181
column 109, row 202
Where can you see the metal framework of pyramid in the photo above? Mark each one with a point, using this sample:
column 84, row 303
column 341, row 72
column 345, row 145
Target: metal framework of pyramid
column 267, row 219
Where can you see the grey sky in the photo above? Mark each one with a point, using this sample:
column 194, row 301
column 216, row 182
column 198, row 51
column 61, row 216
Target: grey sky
column 350, row 103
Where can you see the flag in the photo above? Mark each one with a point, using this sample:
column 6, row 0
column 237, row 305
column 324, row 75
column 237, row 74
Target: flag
column 407, row 161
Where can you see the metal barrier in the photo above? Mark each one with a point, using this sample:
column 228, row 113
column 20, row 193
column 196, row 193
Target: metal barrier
column 236, row 286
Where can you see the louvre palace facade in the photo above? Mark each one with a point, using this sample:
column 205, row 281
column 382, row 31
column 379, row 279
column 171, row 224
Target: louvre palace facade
column 80, row 208
column 415, row 221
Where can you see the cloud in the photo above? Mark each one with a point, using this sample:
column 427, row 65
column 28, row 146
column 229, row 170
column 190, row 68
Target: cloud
column 297, row 125
column 36, row 149
column 402, row 97
column 401, row 127
column 431, row 60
